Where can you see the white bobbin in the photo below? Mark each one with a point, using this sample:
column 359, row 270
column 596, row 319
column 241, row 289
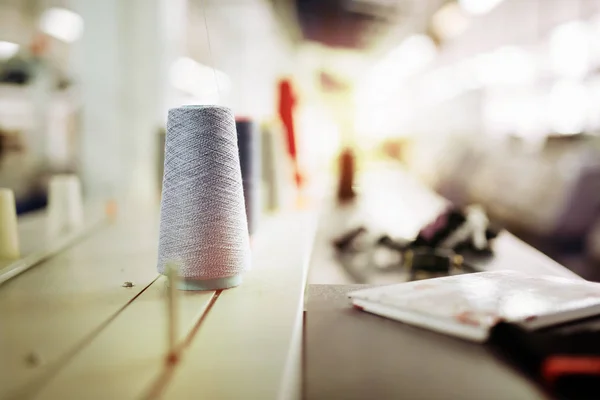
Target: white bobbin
column 65, row 204
column 9, row 234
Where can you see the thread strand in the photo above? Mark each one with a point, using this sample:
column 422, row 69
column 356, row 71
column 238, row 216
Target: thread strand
column 212, row 59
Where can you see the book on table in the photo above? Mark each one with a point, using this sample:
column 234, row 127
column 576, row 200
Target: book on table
column 469, row 306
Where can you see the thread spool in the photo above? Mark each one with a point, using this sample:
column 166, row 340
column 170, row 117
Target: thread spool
column 269, row 171
column 248, row 137
column 9, row 234
column 65, row 204
column 278, row 187
column 346, row 181
column 203, row 226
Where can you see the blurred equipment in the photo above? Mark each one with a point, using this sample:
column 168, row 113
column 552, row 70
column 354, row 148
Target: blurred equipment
column 564, row 358
column 437, row 250
column 203, row 224
column 9, row 234
column 346, row 241
column 37, row 123
column 456, row 229
column 427, row 263
column 249, row 147
column 25, row 67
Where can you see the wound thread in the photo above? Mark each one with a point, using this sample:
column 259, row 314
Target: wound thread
column 203, row 224
column 248, row 137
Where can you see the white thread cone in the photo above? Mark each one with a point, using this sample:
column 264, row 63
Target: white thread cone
column 271, row 193
column 65, row 205
column 9, row 234
column 249, row 139
column 277, row 170
column 203, row 226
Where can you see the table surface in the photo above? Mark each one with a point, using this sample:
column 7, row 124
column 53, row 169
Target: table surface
column 70, row 330
column 350, row 354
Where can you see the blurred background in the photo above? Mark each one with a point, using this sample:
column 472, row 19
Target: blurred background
column 495, row 102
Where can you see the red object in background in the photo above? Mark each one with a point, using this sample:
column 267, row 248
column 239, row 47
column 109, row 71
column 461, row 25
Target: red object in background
column 557, row 366
column 287, row 102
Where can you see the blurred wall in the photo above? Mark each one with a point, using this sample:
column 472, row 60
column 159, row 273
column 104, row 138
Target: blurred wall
column 125, row 61
column 248, row 44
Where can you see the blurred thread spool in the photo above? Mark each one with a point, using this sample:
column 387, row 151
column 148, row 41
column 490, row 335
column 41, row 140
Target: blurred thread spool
column 203, row 226
column 277, row 170
column 347, row 167
column 249, row 148
column 9, row 234
column 271, row 201
column 65, row 204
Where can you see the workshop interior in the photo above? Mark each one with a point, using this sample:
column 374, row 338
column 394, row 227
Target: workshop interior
column 299, row 199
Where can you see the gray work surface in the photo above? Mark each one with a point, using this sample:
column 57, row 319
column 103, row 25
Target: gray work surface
column 350, row 354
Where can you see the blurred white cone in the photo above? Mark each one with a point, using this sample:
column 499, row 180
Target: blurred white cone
column 65, row 205
column 277, row 170
column 477, row 218
column 9, row 235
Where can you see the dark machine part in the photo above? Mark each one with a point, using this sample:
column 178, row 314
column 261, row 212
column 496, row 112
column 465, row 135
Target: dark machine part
column 346, row 241
column 432, row 260
column 434, row 234
column 422, row 257
column 430, row 236
column 564, row 358
column 426, row 263
column 393, row 244
column 354, row 24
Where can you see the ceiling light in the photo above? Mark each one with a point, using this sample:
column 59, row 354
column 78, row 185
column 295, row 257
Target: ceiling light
column 8, row 49
column 413, row 55
column 62, row 24
column 571, row 49
column 449, row 21
column 508, row 65
column 479, row 7
column 567, row 107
